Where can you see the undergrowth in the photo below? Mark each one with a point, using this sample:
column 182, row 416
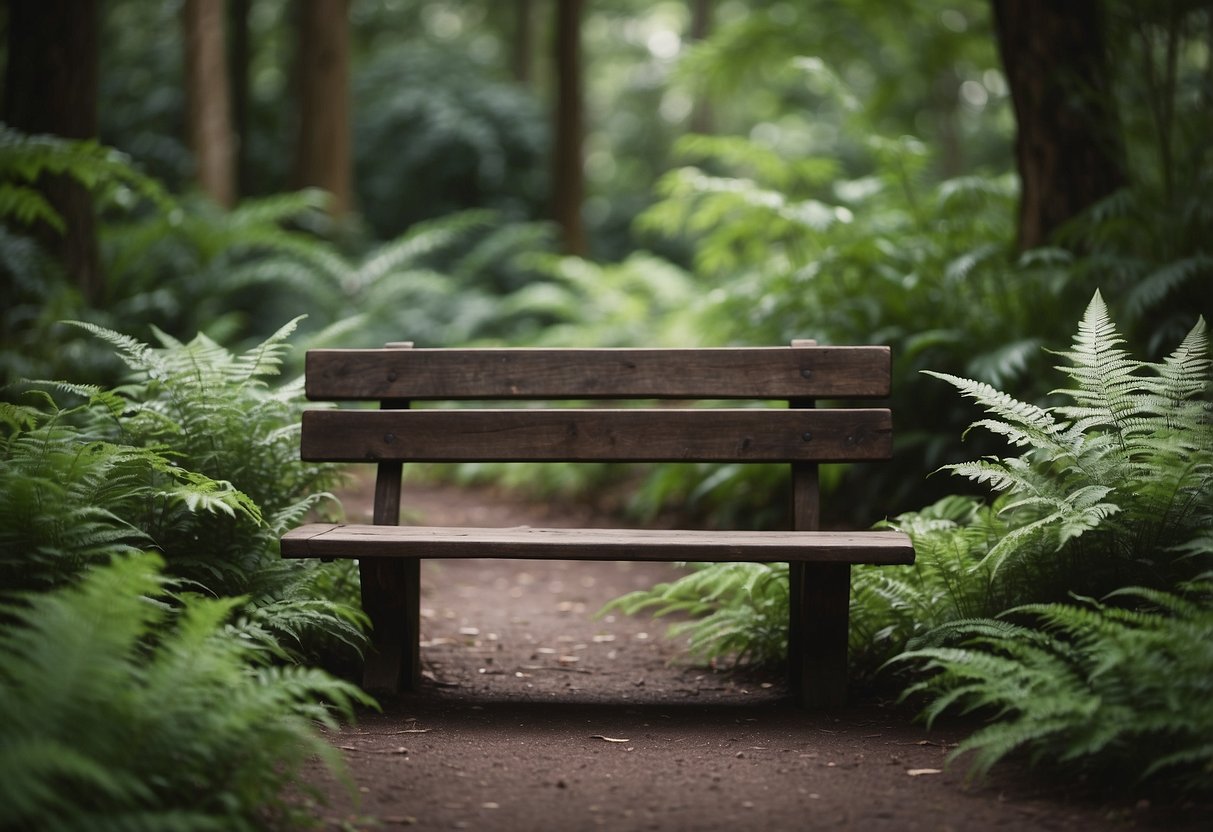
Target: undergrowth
column 128, row 704
column 1112, row 487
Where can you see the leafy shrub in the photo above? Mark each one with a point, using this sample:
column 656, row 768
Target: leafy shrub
column 109, row 693
column 442, row 136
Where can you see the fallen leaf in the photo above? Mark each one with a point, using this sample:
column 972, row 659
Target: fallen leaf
column 607, row 739
column 469, row 631
column 918, row 772
column 603, row 638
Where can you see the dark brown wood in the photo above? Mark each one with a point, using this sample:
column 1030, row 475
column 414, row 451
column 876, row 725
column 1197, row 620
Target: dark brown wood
column 654, row 435
column 389, row 555
column 719, row 373
column 50, row 85
column 1068, row 145
column 369, row 542
column 820, row 594
column 390, row 588
column 323, row 148
column 806, row 516
column 391, row 592
column 568, row 126
column 208, row 102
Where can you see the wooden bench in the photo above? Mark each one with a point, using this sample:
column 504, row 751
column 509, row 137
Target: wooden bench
column 793, row 432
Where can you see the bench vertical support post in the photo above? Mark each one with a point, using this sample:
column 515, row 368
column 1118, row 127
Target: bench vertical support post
column 391, row 595
column 818, row 600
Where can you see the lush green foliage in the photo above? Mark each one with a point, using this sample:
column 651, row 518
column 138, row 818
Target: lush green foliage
column 795, row 251
column 451, row 139
column 108, row 682
column 1115, row 488
column 731, row 609
column 195, row 456
column 1124, row 686
column 127, row 708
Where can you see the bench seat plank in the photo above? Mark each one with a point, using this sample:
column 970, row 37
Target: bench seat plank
column 601, row 435
column 337, row 540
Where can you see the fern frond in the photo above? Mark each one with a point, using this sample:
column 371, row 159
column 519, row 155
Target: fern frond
column 1022, row 422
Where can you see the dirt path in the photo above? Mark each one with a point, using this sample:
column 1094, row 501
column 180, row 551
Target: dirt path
column 536, row 715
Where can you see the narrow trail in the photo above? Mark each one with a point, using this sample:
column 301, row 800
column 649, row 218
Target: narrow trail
column 537, row 715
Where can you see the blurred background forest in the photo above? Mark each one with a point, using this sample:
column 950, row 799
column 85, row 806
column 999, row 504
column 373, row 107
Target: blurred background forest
column 206, row 188
column 954, row 178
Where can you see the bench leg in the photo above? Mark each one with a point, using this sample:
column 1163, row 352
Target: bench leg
column 391, row 599
column 820, row 595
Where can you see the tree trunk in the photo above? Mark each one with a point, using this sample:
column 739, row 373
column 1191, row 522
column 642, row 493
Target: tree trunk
column 701, row 28
column 524, row 41
column 1068, row 147
column 239, row 57
column 323, row 153
column 568, row 175
column 51, row 87
column 208, row 107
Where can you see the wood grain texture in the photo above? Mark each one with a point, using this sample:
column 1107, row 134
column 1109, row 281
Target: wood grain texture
column 337, row 540
column 572, row 435
column 717, row 373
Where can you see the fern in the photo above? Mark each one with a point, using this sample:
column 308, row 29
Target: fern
column 108, row 698
column 1126, row 691
column 1130, row 461
column 24, row 159
column 197, row 456
column 737, row 610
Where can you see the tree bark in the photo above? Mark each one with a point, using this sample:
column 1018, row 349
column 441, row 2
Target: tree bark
column 51, row 87
column 1068, row 146
column 239, row 57
column 701, row 28
column 524, row 41
column 323, row 150
column 568, row 175
column 208, row 106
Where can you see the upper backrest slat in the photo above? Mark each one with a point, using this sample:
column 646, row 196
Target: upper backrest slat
column 795, row 372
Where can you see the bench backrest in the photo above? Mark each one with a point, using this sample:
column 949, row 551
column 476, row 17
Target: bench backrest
column 796, row 432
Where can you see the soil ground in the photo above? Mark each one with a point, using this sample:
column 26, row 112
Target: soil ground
column 536, row 714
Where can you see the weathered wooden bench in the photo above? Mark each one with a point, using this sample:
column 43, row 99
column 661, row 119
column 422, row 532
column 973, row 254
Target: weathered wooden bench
column 794, row 432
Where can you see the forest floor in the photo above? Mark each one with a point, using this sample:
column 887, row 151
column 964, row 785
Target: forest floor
column 537, row 714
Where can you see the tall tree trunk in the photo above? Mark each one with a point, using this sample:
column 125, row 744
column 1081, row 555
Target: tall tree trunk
column 1068, row 145
column 524, row 41
column 208, row 107
column 568, row 174
column 51, row 87
column 701, row 28
column 239, row 58
column 323, row 153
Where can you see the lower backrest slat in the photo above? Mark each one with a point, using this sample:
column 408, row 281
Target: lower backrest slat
column 620, row 435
